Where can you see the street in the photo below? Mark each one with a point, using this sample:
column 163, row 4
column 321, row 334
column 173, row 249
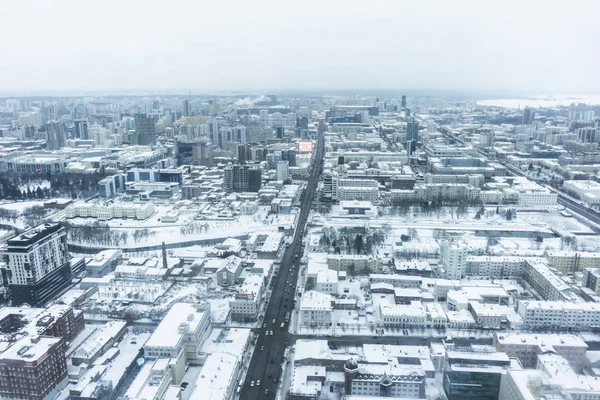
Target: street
column 265, row 365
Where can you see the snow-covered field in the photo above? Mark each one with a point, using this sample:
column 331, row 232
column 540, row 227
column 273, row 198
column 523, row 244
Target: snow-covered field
column 178, row 232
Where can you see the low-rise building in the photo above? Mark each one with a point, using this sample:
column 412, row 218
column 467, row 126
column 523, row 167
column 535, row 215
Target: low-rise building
column 246, row 303
column 315, row 309
column 403, row 315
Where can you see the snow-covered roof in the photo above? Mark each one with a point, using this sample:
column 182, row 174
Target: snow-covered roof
column 313, row 300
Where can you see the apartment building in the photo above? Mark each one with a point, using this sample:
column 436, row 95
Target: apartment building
column 33, row 368
column 527, row 346
column 37, row 268
column 569, row 262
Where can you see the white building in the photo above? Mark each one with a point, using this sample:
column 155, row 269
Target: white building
column 180, row 335
column 558, row 314
column 315, row 309
column 327, row 281
column 403, row 315
column 283, row 170
column 453, row 258
column 247, row 301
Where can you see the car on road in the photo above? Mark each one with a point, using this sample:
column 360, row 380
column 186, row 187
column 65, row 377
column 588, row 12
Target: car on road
column 252, row 384
column 262, row 348
column 270, row 374
column 271, row 333
column 184, row 384
column 266, row 392
column 273, row 320
column 258, row 382
column 424, row 338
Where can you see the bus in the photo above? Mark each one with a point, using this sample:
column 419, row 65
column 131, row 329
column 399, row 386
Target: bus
column 282, row 325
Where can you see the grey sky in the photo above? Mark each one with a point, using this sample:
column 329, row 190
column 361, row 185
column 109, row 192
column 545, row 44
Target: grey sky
column 523, row 46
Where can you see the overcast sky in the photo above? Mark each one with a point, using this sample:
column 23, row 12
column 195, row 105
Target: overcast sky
column 525, row 47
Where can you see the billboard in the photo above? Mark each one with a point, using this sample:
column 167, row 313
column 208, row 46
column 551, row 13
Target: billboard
column 305, row 146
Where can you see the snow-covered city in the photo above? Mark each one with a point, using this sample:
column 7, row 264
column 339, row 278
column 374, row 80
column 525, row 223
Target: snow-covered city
column 298, row 247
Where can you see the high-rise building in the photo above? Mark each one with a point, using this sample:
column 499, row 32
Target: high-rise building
column 280, row 131
column 81, row 129
column 527, row 116
column 283, row 170
column 243, row 153
column 202, row 154
column 242, row 178
column 144, row 128
column 187, row 109
column 289, row 155
column 37, row 268
column 56, row 135
column 412, row 130
column 403, row 103
column 453, row 258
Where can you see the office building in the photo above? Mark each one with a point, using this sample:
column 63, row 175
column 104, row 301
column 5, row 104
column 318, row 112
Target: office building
column 81, row 129
column 475, row 373
column 144, row 130
column 37, row 268
column 283, row 170
column 528, row 115
column 56, row 135
column 187, row 108
column 180, row 336
column 412, row 130
column 242, row 178
column 403, row 103
column 202, row 154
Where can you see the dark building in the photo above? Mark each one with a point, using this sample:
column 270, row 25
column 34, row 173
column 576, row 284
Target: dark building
column 302, row 123
column 289, row 155
column 475, row 375
column 242, row 178
column 187, row 109
column 37, row 268
column 56, row 135
column 81, row 129
column 528, row 115
column 33, row 368
column 403, row 103
column 144, row 128
column 243, row 153
column 412, row 130
column 279, row 132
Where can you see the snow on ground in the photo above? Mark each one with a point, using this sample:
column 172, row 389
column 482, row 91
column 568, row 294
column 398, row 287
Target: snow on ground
column 34, row 184
column 210, row 229
column 21, row 206
column 137, row 291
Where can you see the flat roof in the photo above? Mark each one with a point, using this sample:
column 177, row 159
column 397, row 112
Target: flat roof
column 167, row 332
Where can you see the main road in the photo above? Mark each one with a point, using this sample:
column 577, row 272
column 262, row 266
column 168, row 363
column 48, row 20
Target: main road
column 265, row 364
